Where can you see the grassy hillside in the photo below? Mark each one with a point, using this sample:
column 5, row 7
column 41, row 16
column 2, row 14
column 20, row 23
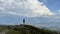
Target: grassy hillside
column 28, row 29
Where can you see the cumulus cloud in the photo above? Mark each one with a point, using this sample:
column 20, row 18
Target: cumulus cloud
column 29, row 8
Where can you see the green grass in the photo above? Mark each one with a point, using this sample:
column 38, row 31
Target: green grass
column 19, row 31
column 2, row 28
column 14, row 32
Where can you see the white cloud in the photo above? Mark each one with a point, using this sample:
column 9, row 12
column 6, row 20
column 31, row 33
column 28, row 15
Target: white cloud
column 1, row 8
column 11, row 12
column 30, row 8
column 59, row 11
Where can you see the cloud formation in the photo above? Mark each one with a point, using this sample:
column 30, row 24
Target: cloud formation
column 29, row 8
column 59, row 11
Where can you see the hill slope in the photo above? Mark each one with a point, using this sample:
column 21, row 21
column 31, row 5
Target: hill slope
column 28, row 29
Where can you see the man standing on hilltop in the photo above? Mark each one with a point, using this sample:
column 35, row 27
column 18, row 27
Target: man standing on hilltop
column 23, row 21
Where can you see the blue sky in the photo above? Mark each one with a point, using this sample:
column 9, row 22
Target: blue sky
column 53, row 5
column 42, row 12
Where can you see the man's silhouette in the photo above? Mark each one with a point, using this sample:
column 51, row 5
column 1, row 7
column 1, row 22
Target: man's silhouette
column 23, row 21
